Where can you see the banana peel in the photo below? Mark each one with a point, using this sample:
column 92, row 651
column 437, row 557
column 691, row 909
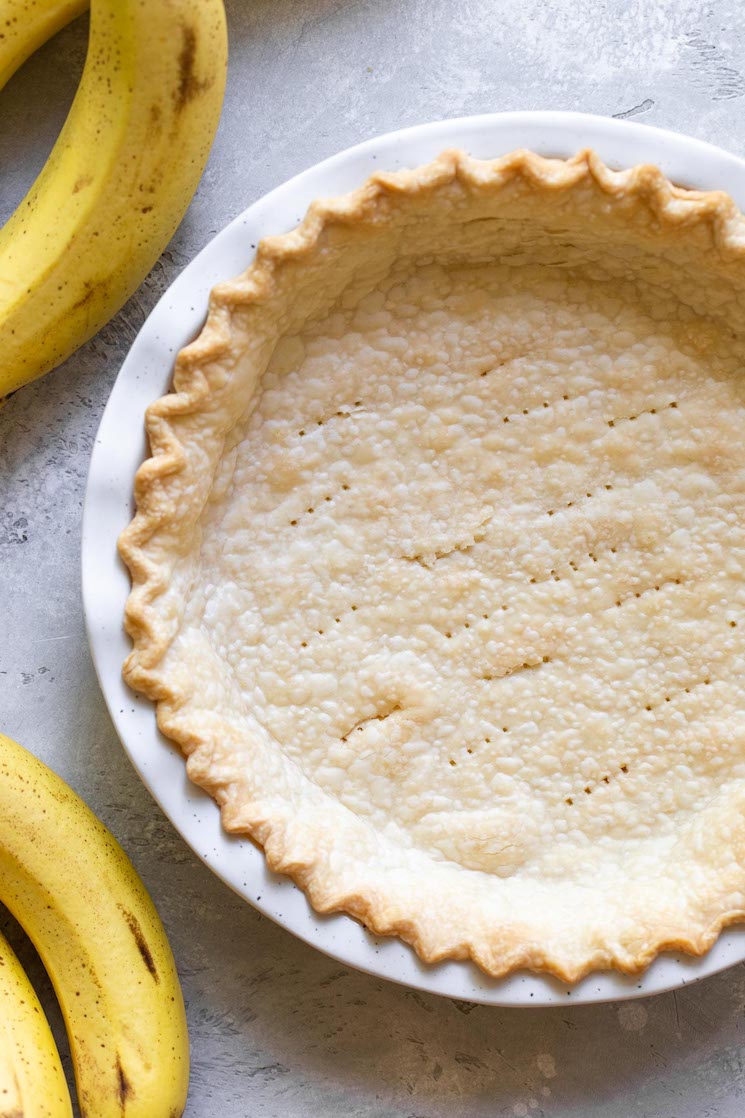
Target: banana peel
column 120, row 177
column 32, row 1082
column 27, row 24
column 79, row 899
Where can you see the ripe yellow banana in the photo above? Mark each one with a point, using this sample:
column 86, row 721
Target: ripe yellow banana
column 32, row 1082
column 25, row 25
column 72, row 888
column 118, row 180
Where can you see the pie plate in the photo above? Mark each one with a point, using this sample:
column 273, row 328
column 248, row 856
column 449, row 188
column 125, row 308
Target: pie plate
column 146, row 375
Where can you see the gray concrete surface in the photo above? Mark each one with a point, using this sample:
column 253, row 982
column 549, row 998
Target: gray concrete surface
column 278, row 1029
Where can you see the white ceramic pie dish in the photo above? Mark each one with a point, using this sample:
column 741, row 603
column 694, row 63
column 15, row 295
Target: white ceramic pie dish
column 146, row 375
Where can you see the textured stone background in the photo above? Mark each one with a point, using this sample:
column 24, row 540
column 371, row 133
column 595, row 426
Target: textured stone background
column 278, row 1029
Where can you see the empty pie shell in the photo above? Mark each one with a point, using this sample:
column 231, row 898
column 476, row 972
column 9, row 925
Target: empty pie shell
column 438, row 560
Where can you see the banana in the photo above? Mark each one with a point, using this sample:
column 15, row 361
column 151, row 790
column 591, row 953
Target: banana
column 26, row 24
column 32, row 1082
column 74, row 891
column 118, row 180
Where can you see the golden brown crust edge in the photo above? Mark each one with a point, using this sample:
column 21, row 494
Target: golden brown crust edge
column 671, row 207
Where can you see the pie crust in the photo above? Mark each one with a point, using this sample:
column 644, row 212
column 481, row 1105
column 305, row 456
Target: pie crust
column 438, row 560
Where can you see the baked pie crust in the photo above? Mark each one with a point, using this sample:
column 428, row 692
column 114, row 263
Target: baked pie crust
column 438, row 560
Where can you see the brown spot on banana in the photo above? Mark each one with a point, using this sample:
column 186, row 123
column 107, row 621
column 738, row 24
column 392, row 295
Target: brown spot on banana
column 123, row 1085
column 142, row 944
column 89, row 290
column 189, row 85
column 15, row 1112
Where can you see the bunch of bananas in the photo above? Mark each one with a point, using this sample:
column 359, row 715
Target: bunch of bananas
column 120, row 176
column 109, row 198
column 72, row 888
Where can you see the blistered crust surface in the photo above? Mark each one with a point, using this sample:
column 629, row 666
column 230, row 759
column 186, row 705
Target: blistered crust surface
column 438, row 561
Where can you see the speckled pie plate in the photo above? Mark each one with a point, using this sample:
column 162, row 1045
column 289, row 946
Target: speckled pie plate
column 120, row 447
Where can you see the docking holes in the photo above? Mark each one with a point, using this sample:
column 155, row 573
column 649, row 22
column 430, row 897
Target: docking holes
column 648, row 411
column 326, row 498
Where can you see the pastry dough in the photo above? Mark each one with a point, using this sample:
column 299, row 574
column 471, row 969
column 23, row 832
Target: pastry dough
column 438, row 560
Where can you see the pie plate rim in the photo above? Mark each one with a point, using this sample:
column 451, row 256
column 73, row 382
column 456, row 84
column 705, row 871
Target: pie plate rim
column 145, row 375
